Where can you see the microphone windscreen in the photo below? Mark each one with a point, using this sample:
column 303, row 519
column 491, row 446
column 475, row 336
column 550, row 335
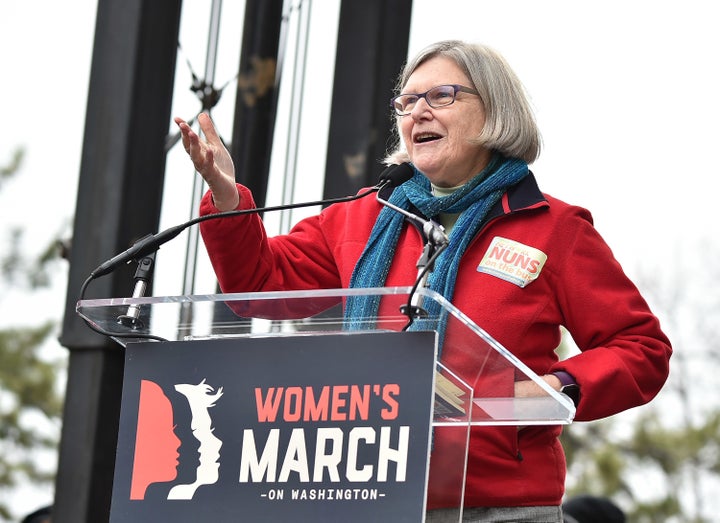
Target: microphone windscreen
column 397, row 174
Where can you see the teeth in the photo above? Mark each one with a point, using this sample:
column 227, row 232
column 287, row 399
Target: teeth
column 424, row 137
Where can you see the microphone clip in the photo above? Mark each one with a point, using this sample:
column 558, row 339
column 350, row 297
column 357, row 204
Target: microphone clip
column 437, row 241
column 143, row 275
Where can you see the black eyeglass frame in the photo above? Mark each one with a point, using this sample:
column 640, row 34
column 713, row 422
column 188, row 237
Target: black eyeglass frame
column 456, row 89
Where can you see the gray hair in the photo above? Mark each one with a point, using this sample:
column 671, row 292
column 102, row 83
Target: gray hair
column 510, row 126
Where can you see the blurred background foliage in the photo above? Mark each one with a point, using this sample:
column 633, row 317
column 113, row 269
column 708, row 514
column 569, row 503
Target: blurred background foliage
column 31, row 384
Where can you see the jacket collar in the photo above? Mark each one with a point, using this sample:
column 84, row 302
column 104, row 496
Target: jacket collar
column 523, row 196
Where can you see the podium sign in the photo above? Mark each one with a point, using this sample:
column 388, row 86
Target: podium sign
column 308, row 425
column 328, row 427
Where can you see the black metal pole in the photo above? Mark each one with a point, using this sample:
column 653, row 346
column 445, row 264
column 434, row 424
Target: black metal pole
column 119, row 199
column 255, row 105
column 372, row 47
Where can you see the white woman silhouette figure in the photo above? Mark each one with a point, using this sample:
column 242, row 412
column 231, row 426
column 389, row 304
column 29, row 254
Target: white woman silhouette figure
column 200, row 399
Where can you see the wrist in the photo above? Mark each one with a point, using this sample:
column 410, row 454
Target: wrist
column 568, row 385
column 225, row 204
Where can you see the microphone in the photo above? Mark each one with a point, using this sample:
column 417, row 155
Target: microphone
column 152, row 242
column 396, row 174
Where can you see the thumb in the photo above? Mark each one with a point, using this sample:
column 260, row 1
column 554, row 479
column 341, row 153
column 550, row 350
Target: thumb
column 208, row 128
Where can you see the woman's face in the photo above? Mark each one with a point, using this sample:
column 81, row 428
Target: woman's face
column 438, row 140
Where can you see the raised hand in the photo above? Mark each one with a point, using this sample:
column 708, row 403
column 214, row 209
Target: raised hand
column 212, row 160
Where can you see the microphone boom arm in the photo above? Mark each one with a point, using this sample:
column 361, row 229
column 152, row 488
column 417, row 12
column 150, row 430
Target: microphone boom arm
column 152, row 242
column 436, row 242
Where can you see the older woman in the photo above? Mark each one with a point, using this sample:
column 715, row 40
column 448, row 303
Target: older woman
column 467, row 130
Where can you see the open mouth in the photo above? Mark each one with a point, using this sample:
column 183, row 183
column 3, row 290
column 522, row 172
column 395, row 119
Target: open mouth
column 426, row 137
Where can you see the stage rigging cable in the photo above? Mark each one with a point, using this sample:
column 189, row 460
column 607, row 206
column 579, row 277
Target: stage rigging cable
column 295, row 17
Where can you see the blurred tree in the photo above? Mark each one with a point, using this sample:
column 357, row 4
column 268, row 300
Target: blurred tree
column 650, row 471
column 30, row 400
column 7, row 171
column 661, row 462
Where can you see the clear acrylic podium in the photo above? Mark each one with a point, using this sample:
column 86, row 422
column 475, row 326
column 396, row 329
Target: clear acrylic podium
column 482, row 392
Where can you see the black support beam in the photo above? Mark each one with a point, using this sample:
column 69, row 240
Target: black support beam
column 372, row 47
column 119, row 199
column 256, row 100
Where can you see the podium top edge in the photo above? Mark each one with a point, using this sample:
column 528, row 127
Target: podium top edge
column 246, row 296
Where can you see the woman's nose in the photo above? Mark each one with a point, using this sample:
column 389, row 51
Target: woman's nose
column 420, row 109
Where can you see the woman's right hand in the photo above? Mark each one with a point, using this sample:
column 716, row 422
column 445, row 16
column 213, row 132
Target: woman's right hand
column 212, row 160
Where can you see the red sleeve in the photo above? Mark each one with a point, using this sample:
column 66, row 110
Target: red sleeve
column 245, row 259
column 625, row 354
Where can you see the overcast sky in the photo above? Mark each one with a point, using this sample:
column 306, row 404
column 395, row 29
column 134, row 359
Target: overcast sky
column 625, row 93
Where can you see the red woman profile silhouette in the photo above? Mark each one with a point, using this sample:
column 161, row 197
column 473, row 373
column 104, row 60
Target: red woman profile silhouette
column 156, row 445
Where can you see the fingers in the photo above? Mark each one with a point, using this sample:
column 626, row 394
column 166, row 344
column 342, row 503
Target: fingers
column 185, row 132
column 212, row 160
column 200, row 154
column 191, row 140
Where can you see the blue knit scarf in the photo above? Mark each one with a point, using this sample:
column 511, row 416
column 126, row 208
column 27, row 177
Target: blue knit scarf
column 473, row 200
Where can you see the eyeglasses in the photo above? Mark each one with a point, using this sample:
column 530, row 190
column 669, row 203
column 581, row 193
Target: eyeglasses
column 438, row 96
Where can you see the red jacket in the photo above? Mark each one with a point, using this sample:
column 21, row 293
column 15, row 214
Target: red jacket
column 625, row 354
